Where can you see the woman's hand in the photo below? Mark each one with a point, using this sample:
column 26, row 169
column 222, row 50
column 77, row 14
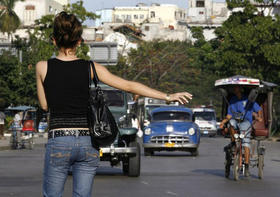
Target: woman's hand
column 182, row 97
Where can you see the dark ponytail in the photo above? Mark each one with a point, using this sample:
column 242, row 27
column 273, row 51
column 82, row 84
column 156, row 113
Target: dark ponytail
column 67, row 30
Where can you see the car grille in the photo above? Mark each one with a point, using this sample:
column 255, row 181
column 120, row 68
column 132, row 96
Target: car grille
column 169, row 139
column 205, row 128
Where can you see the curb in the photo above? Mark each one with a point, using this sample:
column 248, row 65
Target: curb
column 274, row 139
column 2, row 148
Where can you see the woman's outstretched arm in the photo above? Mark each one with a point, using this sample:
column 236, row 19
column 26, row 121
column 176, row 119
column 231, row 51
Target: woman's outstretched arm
column 137, row 88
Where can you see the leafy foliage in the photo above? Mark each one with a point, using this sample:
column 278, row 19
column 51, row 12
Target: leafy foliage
column 9, row 21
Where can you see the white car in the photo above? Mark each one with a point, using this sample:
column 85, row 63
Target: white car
column 205, row 118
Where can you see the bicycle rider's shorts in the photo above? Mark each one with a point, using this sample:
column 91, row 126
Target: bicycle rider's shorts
column 245, row 128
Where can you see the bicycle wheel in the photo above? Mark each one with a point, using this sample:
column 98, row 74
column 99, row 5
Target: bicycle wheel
column 236, row 166
column 260, row 166
column 227, row 164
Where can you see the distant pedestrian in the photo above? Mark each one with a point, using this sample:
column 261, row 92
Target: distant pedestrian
column 2, row 123
column 62, row 88
column 136, row 124
column 16, row 126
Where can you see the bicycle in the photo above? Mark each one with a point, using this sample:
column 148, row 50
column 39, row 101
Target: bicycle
column 235, row 156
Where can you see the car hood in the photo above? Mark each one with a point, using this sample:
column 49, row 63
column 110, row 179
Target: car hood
column 162, row 127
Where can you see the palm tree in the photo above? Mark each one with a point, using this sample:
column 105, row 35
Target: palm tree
column 9, row 21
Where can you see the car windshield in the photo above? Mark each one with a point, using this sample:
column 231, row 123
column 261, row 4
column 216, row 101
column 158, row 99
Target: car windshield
column 171, row 116
column 149, row 109
column 114, row 98
column 208, row 116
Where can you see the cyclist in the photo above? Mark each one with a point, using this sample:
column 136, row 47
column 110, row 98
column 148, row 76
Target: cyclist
column 239, row 106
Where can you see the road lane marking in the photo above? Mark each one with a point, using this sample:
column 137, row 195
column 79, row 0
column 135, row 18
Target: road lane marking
column 145, row 183
column 171, row 193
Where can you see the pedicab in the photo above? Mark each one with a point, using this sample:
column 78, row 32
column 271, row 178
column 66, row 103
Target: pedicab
column 23, row 134
column 258, row 91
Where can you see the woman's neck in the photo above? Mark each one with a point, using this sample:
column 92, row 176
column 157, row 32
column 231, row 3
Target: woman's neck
column 67, row 55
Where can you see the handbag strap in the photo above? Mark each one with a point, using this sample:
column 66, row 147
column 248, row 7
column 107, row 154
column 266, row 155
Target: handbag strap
column 95, row 77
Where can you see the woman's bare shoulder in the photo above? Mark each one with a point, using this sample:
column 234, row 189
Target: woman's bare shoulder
column 41, row 66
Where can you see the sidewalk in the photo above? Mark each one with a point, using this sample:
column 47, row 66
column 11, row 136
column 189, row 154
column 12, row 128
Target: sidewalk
column 39, row 139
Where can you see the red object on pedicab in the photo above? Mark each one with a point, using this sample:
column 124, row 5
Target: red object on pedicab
column 28, row 125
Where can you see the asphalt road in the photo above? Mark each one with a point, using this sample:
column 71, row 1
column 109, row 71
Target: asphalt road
column 166, row 174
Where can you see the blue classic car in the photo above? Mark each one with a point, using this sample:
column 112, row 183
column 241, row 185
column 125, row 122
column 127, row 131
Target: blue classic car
column 171, row 128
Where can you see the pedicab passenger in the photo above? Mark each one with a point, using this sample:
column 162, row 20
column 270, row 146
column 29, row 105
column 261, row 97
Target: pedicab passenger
column 239, row 105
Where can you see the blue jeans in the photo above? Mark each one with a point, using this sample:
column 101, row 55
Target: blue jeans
column 63, row 153
column 245, row 128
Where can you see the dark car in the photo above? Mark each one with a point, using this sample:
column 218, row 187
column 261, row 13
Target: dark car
column 171, row 128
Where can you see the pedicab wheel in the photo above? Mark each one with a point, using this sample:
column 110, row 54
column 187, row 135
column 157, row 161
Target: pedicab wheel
column 228, row 158
column 260, row 166
column 227, row 170
column 227, row 167
column 236, row 167
column 31, row 144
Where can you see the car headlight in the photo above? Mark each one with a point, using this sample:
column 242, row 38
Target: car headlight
column 241, row 135
column 148, row 131
column 236, row 135
column 191, row 131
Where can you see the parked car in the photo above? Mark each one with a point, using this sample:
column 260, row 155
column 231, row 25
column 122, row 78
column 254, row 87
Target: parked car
column 205, row 118
column 171, row 128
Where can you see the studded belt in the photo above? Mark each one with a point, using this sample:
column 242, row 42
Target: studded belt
column 60, row 133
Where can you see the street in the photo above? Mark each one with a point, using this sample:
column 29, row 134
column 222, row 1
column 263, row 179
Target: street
column 165, row 174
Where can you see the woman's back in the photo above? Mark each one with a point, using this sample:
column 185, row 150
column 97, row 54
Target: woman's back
column 66, row 87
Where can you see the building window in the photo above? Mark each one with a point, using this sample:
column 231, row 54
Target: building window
column 153, row 14
column 30, row 7
column 135, row 16
column 29, row 13
column 200, row 4
column 147, row 28
column 50, row 9
column 201, row 13
column 141, row 16
column 128, row 17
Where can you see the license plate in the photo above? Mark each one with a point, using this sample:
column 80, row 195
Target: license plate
column 169, row 144
column 205, row 132
column 100, row 153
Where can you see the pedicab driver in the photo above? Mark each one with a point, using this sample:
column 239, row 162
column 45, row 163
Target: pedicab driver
column 239, row 105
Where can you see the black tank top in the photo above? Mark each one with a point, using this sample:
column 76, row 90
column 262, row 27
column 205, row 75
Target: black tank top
column 66, row 89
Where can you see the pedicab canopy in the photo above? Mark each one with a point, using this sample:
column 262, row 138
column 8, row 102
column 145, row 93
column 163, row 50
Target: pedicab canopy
column 237, row 80
column 264, row 99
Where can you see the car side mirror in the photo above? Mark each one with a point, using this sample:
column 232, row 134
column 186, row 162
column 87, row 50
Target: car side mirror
column 253, row 95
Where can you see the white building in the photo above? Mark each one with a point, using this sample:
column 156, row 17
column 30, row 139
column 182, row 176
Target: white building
column 207, row 14
column 30, row 10
column 157, row 21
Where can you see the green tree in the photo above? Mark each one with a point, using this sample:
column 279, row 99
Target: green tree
column 9, row 80
column 9, row 20
column 80, row 11
column 249, row 44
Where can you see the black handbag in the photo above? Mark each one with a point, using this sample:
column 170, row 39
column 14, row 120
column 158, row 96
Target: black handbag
column 102, row 125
